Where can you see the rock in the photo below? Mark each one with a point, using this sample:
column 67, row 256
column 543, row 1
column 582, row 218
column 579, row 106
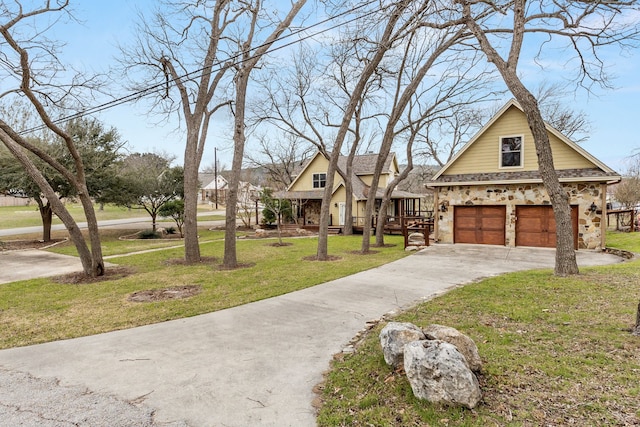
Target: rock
column 438, row 373
column 416, row 239
column 393, row 338
column 463, row 343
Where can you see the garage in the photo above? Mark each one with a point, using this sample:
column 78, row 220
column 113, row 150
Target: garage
column 479, row 224
column 536, row 226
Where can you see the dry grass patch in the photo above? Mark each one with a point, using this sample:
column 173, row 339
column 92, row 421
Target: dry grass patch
column 164, row 294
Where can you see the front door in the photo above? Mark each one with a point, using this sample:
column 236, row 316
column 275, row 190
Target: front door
column 341, row 211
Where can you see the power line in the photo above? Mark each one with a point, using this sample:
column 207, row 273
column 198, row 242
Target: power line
column 221, row 64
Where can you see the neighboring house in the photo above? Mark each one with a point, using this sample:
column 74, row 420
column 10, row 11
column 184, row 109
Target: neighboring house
column 214, row 188
column 491, row 191
column 308, row 186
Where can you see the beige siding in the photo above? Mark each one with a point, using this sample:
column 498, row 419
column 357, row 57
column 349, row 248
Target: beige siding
column 484, row 154
column 305, row 181
column 385, row 179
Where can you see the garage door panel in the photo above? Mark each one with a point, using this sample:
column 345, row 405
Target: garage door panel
column 480, row 224
column 496, row 224
column 466, row 236
column 536, row 226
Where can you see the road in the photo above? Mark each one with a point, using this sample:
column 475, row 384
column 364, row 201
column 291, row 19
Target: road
column 141, row 222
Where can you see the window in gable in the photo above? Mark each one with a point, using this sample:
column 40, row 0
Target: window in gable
column 511, row 151
column 319, row 180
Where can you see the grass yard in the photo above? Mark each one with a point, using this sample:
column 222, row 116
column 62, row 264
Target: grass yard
column 41, row 310
column 120, row 241
column 557, row 351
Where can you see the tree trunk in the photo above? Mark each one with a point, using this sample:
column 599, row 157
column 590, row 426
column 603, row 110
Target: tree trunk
column 371, row 201
column 636, row 330
column 154, row 226
column 230, row 256
column 347, row 228
column 190, row 226
column 46, row 214
column 74, row 232
column 383, row 46
column 566, row 262
column 97, row 263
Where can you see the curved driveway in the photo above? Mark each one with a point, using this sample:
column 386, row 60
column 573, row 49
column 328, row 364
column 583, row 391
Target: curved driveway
column 256, row 364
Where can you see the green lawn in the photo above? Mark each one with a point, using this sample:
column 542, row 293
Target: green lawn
column 28, row 216
column 43, row 310
column 557, row 351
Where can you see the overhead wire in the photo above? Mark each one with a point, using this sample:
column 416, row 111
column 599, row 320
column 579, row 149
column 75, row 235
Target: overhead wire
column 218, row 66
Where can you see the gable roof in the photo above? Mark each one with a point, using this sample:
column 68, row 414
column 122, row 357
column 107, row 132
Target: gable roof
column 363, row 164
column 599, row 173
column 207, row 180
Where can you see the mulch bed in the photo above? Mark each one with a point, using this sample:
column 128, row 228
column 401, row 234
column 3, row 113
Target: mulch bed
column 315, row 258
column 110, row 273
column 181, row 261
column 369, row 252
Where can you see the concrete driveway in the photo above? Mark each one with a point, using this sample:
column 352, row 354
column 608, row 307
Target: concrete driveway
column 253, row 365
column 32, row 263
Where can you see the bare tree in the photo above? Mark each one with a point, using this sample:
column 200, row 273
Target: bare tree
column 442, row 93
column 181, row 48
column 586, row 26
column 307, row 103
column 280, row 156
column 627, row 192
column 250, row 56
column 30, row 63
column 572, row 123
column 398, row 19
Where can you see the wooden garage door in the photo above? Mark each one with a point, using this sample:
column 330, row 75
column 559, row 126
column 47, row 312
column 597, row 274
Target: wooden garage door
column 536, row 226
column 479, row 224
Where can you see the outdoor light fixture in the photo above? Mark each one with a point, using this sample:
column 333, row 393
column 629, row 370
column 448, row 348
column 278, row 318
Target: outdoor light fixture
column 443, row 207
column 593, row 207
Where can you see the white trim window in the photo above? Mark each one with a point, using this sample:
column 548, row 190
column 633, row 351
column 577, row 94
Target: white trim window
column 511, row 153
column 319, row 180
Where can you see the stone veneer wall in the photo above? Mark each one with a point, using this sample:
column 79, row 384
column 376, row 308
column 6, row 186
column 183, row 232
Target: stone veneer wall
column 580, row 194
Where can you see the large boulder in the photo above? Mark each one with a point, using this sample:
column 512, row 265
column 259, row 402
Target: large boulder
column 393, row 338
column 463, row 343
column 438, row 373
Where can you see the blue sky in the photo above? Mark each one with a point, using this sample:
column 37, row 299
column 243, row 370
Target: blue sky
column 614, row 113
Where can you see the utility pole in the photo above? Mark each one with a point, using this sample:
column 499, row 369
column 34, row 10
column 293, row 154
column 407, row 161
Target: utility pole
column 215, row 173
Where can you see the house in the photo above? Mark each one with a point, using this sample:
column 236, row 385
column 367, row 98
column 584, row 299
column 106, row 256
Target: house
column 214, row 191
column 491, row 191
column 213, row 188
column 308, row 186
